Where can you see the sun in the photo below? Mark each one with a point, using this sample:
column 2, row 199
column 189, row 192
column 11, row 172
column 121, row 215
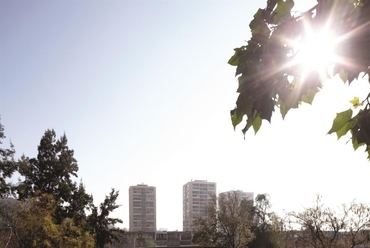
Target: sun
column 316, row 51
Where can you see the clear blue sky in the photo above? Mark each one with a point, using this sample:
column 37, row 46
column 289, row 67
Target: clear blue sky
column 143, row 91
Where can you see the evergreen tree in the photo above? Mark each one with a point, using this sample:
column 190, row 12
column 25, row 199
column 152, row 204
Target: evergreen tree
column 101, row 224
column 52, row 171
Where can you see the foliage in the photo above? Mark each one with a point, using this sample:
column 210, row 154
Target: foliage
column 33, row 224
column 79, row 202
column 227, row 224
column 102, row 225
column 149, row 242
column 266, row 225
column 269, row 77
column 52, row 171
column 9, row 220
column 321, row 227
column 7, row 165
column 51, row 207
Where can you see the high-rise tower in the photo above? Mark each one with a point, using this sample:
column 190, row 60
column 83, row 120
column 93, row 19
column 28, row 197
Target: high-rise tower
column 196, row 196
column 142, row 200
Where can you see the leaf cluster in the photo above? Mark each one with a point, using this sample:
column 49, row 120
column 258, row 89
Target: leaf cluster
column 268, row 77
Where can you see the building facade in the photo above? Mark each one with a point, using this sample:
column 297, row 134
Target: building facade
column 142, row 208
column 196, row 196
column 164, row 239
column 249, row 196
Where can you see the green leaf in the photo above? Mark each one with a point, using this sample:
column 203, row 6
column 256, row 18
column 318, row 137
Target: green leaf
column 234, row 60
column 235, row 117
column 259, row 14
column 356, row 144
column 342, row 123
column 343, row 75
column 309, row 96
column 259, row 27
column 257, row 122
column 283, row 10
column 283, row 110
column 345, row 128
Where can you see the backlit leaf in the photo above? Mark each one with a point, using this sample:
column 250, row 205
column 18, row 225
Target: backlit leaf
column 356, row 144
column 283, row 110
column 235, row 118
column 282, row 10
column 234, row 60
column 356, row 102
column 345, row 128
column 309, row 96
column 257, row 122
column 340, row 123
column 343, row 75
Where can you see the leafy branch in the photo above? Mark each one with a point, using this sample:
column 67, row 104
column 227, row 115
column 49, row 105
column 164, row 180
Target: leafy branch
column 268, row 76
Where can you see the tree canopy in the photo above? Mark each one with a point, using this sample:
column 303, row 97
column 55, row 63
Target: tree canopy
column 51, row 208
column 271, row 76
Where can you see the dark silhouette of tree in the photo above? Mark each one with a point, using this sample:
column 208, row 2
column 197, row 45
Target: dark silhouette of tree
column 76, row 209
column 269, row 76
column 52, row 171
column 102, row 226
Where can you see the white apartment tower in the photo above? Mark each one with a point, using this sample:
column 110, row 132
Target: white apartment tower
column 142, row 207
column 196, row 196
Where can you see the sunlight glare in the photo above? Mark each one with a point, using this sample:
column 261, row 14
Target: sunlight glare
column 316, row 52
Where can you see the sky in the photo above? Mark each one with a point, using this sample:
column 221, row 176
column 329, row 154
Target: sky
column 143, row 92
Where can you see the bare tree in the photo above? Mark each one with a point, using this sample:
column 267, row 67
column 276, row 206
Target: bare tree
column 322, row 227
column 228, row 222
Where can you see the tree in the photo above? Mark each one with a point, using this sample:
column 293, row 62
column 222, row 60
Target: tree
column 149, row 242
column 102, row 226
column 51, row 207
column 40, row 228
column 80, row 202
column 52, row 171
column 321, row 227
column 7, row 165
column 32, row 223
column 227, row 224
column 267, row 227
column 9, row 222
column 269, row 75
